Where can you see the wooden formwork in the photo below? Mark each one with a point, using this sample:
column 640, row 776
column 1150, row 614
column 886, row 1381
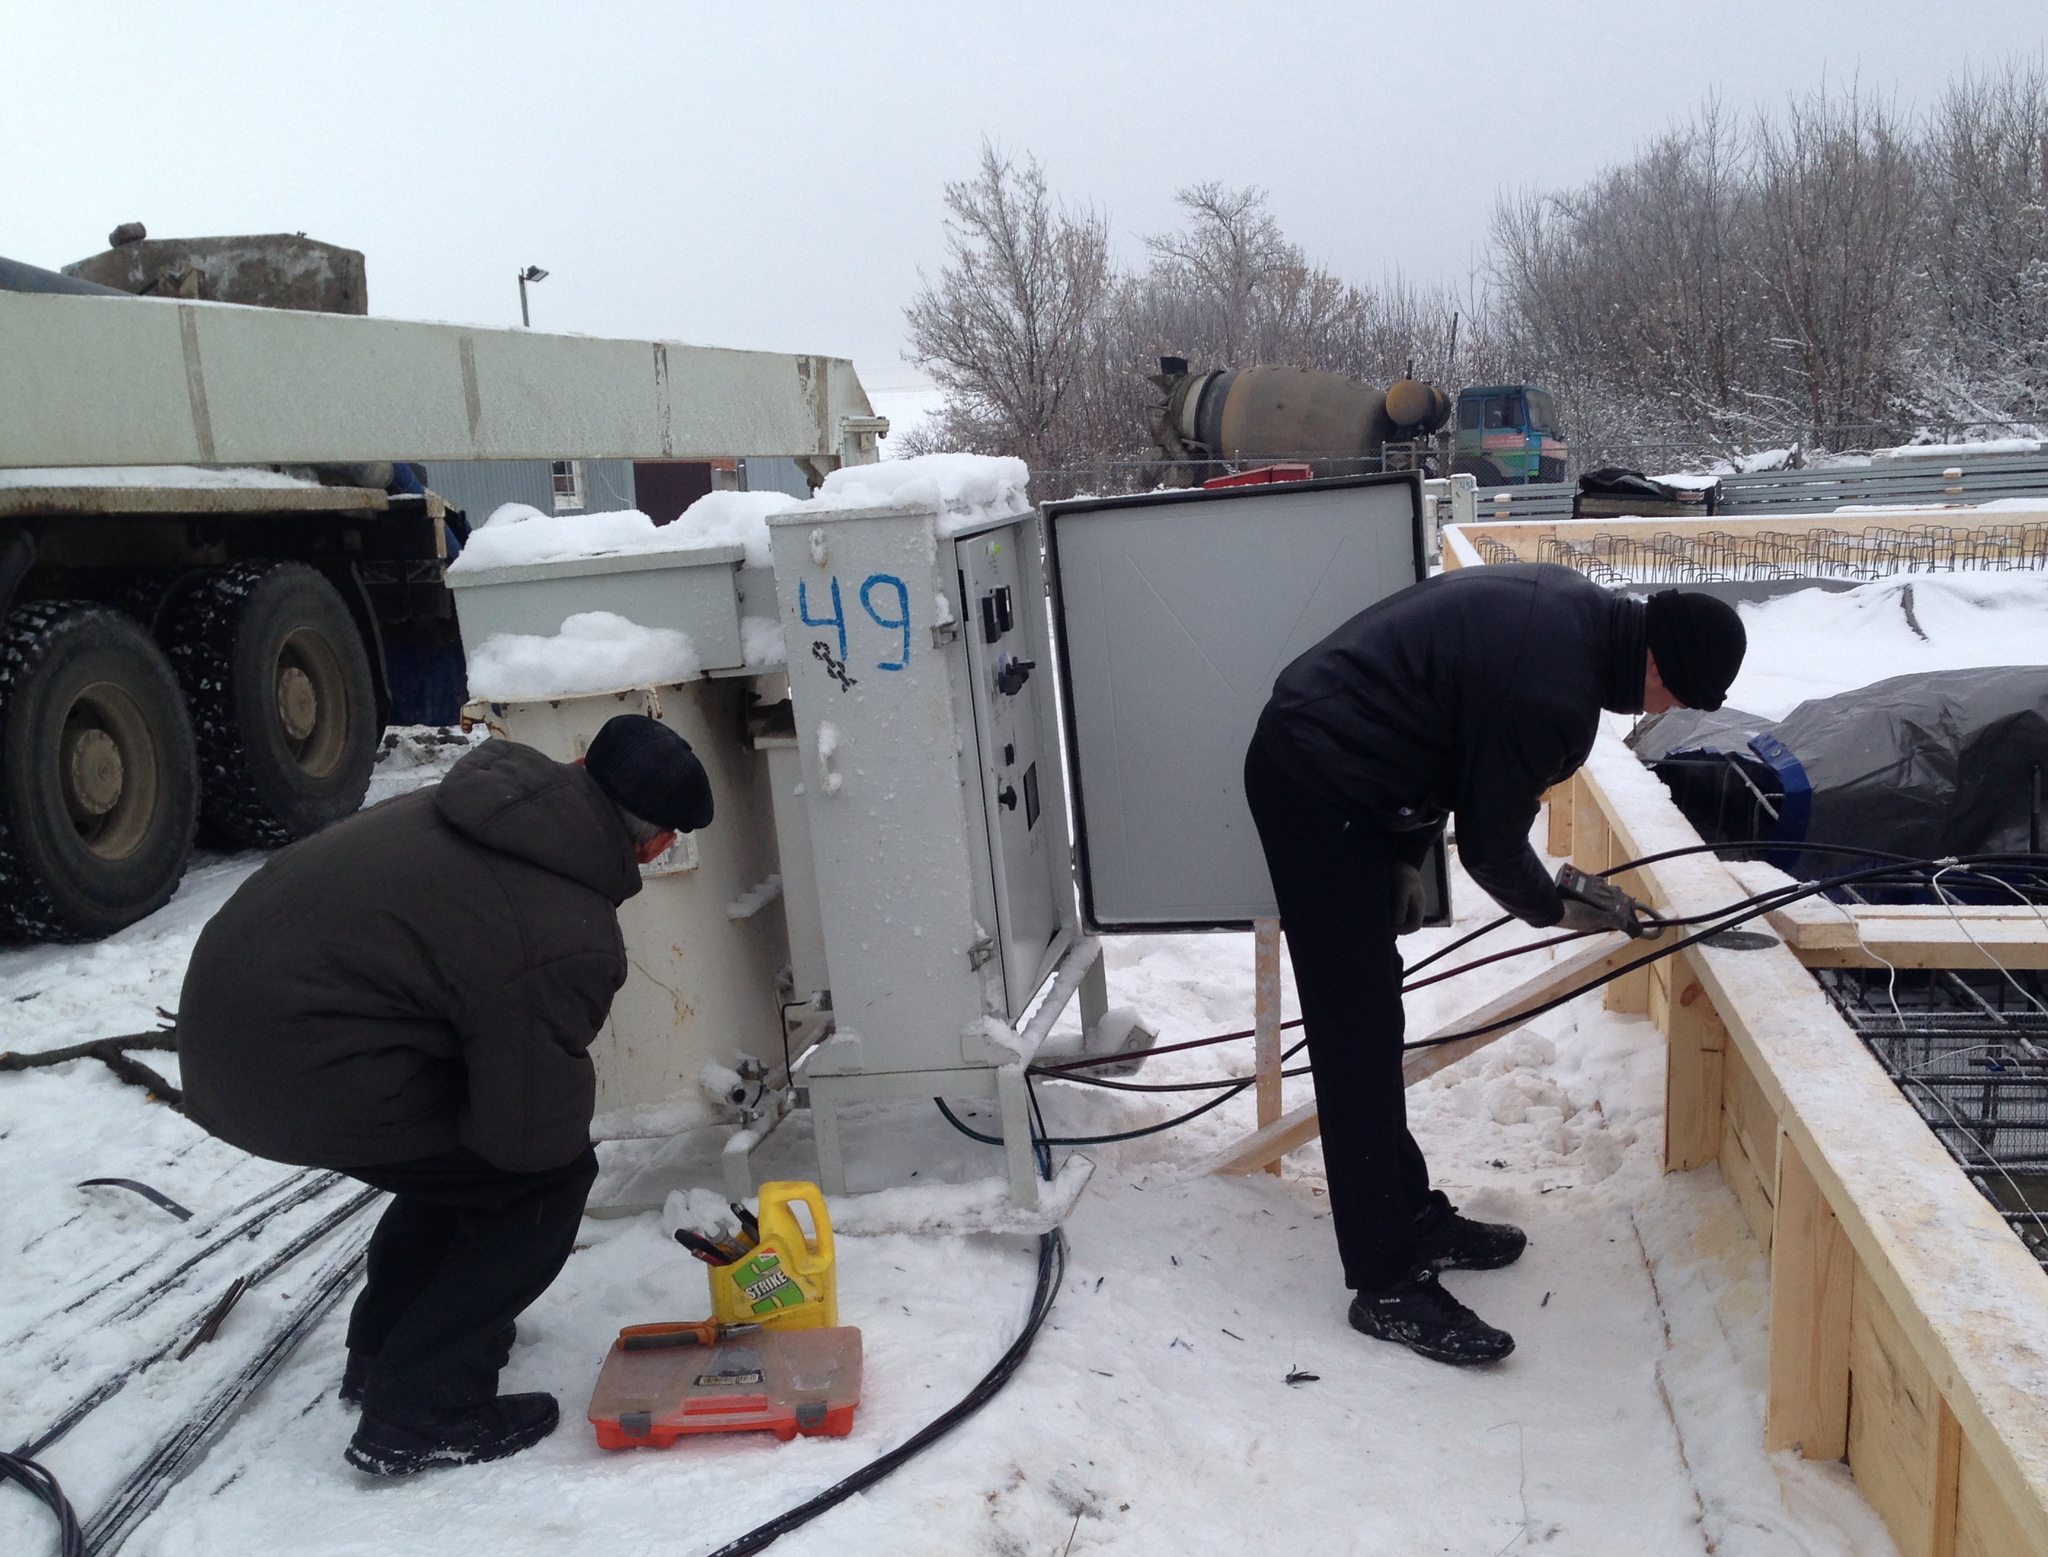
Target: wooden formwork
column 1948, row 537
column 1908, row 1323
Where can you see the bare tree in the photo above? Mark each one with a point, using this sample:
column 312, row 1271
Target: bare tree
column 1836, row 192
column 1983, row 358
column 1011, row 326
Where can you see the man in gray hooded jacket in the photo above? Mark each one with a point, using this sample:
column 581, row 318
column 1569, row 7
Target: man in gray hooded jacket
column 408, row 997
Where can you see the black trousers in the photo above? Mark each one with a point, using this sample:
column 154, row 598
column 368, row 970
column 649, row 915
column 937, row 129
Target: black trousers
column 1334, row 881
column 460, row 1253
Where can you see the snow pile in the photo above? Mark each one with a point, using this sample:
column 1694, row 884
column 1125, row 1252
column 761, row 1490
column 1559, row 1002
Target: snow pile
column 596, row 651
column 1957, row 451
column 761, row 641
column 966, row 489
column 183, row 476
column 1814, row 642
column 517, row 534
column 732, row 519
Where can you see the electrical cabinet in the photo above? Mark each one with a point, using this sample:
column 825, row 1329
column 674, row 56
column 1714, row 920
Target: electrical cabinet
column 920, row 674
column 1174, row 612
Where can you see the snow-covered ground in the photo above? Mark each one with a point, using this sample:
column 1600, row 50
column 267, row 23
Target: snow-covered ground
column 1154, row 1415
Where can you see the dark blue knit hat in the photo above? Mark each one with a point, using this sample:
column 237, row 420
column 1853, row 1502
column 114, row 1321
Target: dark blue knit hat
column 650, row 770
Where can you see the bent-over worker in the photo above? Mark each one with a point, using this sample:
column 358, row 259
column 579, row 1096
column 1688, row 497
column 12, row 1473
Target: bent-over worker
column 407, row 996
column 1471, row 693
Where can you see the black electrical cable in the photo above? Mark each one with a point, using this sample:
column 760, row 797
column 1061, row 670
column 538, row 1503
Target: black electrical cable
column 1724, row 918
column 1903, row 863
column 70, row 1538
column 1052, row 1266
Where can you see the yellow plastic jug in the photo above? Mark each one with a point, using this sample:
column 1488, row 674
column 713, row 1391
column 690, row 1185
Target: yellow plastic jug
column 786, row 1281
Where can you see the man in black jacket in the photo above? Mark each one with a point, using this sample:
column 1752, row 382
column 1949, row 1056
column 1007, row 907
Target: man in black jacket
column 1471, row 694
column 408, row 997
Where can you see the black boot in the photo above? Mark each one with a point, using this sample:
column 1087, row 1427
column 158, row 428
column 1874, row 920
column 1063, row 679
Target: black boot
column 467, row 1435
column 1459, row 1243
column 1419, row 1314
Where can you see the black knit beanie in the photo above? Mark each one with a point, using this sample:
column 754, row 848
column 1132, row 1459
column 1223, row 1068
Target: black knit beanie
column 1698, row 643
column 649, row 770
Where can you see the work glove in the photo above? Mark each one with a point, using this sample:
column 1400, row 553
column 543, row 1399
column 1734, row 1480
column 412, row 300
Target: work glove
column 1406, row 908
column 1595, row 903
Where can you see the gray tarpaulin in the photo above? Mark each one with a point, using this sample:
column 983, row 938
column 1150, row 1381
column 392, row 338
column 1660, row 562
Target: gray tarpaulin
column 1923, row 765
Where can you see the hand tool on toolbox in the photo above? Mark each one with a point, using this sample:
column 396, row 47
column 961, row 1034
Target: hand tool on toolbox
column 774, row 1357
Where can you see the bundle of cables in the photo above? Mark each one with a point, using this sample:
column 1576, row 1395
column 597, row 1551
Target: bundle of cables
column 1993, row 869
column 18, row 1467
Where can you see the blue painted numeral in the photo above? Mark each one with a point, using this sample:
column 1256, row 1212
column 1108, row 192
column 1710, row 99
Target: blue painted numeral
column 836, row 619
column 899, row 622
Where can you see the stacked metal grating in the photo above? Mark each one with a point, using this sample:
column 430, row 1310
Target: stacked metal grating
column 1969, row 1049
column 1718, row 556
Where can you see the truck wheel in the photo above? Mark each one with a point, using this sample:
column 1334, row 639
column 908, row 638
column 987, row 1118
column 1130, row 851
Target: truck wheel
column 283, row 706
column 98, row 787
column 1483, row 471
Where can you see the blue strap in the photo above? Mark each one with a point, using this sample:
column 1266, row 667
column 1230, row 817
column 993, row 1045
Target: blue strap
column 1795, row 810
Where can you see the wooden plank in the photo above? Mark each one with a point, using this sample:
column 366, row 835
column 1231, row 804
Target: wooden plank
column 1948, row 1454
column 1744, row 1178
column 1692, row 1072
column 1660, row 995
column 1903, row 944
column 1266, row 1021
column 1524, row 537
column 1913, row 1220
column 1557, row 806
column 1825, row 934
column 1301, row 1125
column 1985, row 1523
column 1895, row 1432
column 1750, row 1115
column 1813, row 1274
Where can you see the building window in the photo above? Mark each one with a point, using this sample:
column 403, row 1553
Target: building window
column 566, row 476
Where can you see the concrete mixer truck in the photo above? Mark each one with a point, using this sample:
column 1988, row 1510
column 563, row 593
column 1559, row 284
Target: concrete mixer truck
column 1505, row 433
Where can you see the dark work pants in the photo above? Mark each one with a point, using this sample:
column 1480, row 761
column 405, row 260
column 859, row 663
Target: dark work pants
column 1334, row 881
column 461, row 1251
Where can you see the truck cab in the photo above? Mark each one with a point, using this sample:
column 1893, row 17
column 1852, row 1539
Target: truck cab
column 1507, row 435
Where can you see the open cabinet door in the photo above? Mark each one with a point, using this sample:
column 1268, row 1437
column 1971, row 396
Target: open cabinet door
column 1173, row 613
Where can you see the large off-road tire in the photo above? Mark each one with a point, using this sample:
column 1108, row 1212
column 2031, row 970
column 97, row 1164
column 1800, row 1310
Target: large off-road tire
column 99, row 794
column 283, row 706
column 1481, row 469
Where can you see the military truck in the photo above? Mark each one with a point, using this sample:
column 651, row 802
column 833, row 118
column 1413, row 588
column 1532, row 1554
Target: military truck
column 218, row 585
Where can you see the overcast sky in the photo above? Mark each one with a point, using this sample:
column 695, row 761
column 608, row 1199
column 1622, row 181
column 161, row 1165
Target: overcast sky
column 770, row 175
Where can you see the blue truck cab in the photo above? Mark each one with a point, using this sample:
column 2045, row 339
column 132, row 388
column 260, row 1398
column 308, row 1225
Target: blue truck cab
column 1507, row 434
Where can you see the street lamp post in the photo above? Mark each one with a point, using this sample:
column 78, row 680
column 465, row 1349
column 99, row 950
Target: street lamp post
column 530, row 273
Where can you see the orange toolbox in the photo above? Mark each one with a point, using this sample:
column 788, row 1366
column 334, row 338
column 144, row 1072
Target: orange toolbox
column 662, row 1382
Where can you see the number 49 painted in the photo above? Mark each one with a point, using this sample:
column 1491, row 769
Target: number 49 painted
column 874, row 582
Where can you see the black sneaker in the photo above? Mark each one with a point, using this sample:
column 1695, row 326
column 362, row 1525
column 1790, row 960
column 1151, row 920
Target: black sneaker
column 1417, row 1313
column 1463, row 1244
column 468, row 1435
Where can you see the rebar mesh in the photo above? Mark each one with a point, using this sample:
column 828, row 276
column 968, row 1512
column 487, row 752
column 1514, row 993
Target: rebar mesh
column 1969, row 1050
column 1876, row 551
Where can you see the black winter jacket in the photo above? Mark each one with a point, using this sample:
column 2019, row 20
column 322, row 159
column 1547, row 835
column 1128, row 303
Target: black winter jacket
column 426, row 974
column 1472, row 693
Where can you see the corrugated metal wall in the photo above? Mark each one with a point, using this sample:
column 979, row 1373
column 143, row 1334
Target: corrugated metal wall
column 774, row 473
column 479, row 486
